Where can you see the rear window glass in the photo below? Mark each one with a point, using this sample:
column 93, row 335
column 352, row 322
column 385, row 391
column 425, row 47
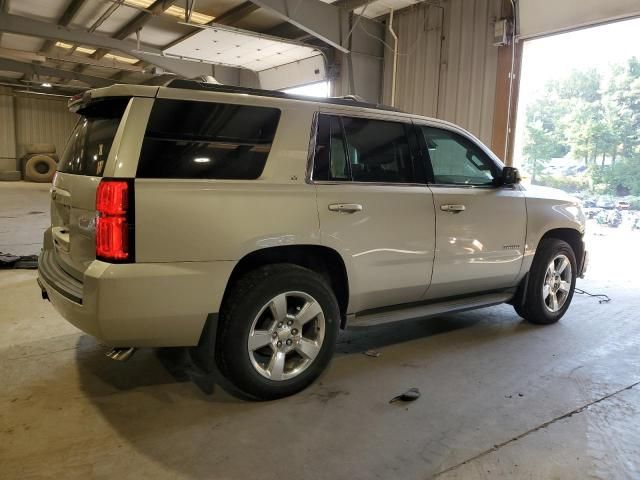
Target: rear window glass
column 207, row 140
column 90, row 142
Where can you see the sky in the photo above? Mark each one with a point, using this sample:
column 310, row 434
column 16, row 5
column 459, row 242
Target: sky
column 555, row 56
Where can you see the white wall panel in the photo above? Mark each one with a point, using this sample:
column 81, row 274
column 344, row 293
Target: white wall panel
column 447, row 63
column 7, row 131
column 540, row 17
column 42, row 119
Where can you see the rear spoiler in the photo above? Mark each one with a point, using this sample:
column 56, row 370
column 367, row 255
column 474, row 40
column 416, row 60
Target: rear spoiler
column 79, row 101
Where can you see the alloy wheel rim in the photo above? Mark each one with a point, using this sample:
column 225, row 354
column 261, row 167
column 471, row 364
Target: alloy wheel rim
column 557, row 283
column 286, row 336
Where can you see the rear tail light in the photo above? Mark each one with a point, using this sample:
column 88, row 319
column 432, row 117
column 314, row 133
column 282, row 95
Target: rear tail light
column 114, row 222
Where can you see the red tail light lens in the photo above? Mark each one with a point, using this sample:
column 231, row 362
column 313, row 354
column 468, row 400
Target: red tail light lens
column 112, row 198
column 113, row 227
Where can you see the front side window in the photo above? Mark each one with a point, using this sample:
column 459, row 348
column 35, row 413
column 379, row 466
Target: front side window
column 362, row 150
column 207, row 140
column 455, row 160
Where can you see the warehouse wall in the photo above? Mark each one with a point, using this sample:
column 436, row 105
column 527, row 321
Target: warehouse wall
column 28, row 118
column 447, row 64
column 7, row 130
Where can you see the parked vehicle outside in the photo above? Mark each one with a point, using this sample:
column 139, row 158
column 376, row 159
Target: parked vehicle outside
column 251, row 226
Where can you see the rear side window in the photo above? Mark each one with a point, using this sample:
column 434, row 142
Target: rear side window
column 363, row 150
column 207, row 140
column 88, row 147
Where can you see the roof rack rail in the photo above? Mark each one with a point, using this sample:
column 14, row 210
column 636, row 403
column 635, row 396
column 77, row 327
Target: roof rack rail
column 352, row 100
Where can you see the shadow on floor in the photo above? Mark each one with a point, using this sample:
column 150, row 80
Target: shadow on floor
column 153, row 367
column 153, row 406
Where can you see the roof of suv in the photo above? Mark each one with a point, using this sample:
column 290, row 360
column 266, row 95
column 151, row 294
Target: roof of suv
column 213, row 87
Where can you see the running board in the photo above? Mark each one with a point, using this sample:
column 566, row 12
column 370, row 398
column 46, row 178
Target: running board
column 419, row 311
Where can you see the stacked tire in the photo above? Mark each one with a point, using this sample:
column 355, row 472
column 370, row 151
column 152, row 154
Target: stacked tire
column 40, row 163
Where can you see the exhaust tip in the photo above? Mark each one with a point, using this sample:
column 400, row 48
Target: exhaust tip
column 121, row 354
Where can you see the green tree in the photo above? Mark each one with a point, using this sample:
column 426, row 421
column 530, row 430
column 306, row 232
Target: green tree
column 545, row 137
column 589, row 123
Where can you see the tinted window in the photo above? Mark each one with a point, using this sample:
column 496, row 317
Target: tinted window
column 378, row 151
column 207, row 140
column 330, row 159
column 456, row 160
column 90, row 142
column 362, row 150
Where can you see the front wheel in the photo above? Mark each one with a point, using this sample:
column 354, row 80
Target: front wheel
column 277, row 331
column 552, row 280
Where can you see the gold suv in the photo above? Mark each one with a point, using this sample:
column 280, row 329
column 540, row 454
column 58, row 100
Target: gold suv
column 252, row 225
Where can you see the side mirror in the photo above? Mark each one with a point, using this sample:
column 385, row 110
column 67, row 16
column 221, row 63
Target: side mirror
column 510, row 176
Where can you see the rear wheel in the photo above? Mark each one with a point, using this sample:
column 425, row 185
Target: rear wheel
column 552, row 281
column 277, row 331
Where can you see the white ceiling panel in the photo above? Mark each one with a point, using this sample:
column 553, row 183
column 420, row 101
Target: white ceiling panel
column 90, row 12
column 42, row 10
column 21, row 42
column 161, row 31
column 541, row 17
column 239, row 48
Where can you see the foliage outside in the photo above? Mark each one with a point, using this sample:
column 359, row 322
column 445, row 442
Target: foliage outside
column 589, row 118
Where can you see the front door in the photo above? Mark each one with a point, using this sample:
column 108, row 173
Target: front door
column 480, row 225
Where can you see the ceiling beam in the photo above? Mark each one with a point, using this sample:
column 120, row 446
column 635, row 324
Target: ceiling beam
column 36, row 28
column 292, row 32
column 350, row 5
column 230, row 18
column 4, row 8
column 234, row 15
column 322, row 20
column 136, row 24
column 67, row 17
column 30, row 69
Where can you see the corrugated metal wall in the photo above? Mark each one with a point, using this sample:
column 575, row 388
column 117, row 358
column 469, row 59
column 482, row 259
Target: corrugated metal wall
column 7, row 131
column 27, row 118
column 42, row 119
column 447, row 63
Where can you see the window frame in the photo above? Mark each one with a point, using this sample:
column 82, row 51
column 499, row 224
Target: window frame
column 419, row 171
column 426, row 156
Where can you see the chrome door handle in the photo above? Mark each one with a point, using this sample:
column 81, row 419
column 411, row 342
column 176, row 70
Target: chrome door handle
column 453, row 208
column 345, row 207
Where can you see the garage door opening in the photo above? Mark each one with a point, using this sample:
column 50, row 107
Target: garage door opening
column 318, row 89
column 578, row 129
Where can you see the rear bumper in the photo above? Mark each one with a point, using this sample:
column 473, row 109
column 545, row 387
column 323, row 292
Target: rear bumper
column 140, row 304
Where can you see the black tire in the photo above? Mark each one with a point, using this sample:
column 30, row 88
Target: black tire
column 534, row 308
column 243, row 304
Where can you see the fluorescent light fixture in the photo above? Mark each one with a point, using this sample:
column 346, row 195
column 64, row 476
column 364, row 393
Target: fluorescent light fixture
column 173, row 10
column 46, row 84
column 202, row 159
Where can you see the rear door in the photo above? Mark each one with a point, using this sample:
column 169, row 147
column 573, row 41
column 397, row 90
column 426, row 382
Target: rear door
column 73, row 194
column 480, row 225
column 374, row 207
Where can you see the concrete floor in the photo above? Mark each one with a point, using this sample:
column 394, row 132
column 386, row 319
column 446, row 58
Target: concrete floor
column 500, row 398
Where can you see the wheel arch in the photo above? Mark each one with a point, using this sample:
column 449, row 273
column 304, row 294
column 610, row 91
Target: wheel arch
column 323, row 260
column 573, row 237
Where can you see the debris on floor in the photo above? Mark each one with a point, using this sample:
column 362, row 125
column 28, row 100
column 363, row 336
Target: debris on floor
column 28, row 262
column 372, row 353
column 602, row 298
column 408, row 396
